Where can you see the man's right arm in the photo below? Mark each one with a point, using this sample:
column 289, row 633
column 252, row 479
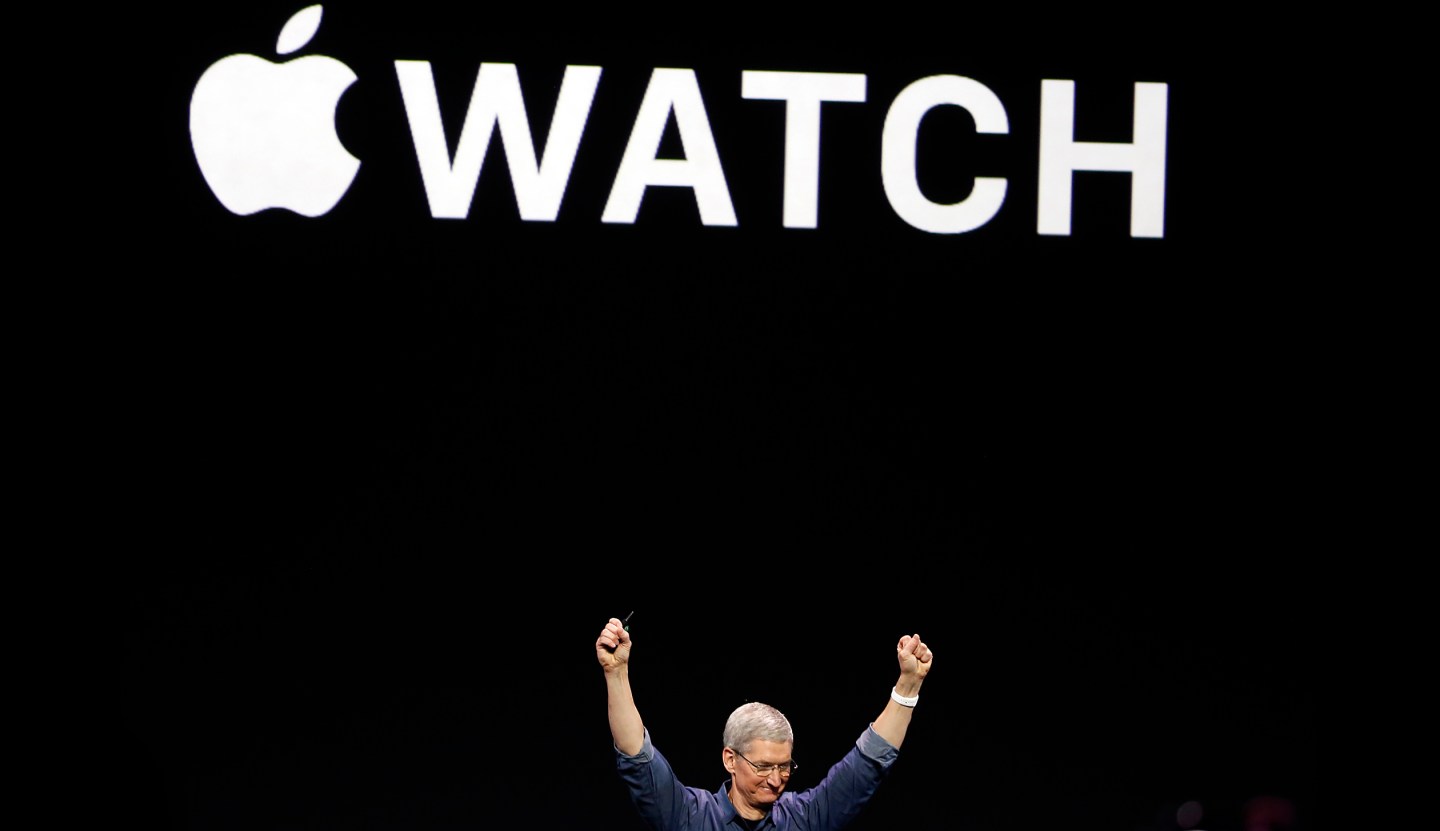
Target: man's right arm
column 612, row 650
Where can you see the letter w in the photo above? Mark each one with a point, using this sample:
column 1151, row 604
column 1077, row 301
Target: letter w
column 539, row 187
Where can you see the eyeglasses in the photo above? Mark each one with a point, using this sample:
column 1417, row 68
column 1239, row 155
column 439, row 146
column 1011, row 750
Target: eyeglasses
column 764, row 771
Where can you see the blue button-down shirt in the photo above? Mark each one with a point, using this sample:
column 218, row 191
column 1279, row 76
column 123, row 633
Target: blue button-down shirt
column 667, row 805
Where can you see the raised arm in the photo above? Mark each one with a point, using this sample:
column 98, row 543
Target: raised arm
column 915, row 660
column 612, row 650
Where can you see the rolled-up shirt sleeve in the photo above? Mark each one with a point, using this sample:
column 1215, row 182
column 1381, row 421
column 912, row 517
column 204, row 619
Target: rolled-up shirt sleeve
column 662, row 801
column 874, row 746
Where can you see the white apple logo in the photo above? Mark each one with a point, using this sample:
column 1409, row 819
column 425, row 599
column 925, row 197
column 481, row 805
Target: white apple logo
column 264, row 133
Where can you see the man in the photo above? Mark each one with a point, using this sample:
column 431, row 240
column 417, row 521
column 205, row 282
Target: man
column 758, row 741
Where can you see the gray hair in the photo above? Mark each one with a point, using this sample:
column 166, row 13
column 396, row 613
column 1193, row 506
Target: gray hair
column 756, row 721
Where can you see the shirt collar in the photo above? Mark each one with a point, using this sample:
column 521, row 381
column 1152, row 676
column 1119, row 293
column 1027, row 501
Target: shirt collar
column 731, row 816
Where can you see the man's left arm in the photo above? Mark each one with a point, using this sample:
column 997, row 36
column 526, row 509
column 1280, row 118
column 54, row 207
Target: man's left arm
column 915, row 660
column 850, row 783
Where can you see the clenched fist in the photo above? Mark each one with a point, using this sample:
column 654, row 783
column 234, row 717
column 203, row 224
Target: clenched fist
column 612, row 648
column 914, row 656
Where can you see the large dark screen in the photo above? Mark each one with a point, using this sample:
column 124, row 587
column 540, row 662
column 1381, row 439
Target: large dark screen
column 397, row 462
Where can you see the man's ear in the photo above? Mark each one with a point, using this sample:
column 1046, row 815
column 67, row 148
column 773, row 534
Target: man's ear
column 727, row 758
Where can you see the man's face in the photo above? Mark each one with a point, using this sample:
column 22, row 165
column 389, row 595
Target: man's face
column 750, row 788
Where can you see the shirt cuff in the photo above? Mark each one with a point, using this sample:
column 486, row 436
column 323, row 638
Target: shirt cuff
column 874, row 747
column 647, row 750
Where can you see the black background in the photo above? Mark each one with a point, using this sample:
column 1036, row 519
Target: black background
column 393, row 473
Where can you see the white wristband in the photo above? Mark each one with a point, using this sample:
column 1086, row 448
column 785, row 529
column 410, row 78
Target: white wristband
column 904, row 700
